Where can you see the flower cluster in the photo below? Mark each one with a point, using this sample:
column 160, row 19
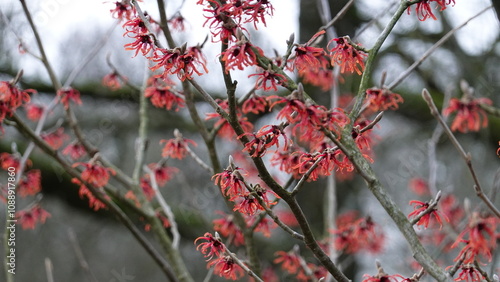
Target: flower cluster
column 420, row 207
column 183, row 62
column 223, row 127
column 424, row 10
column 469, row 114
column 292, row 263
column 30, row 217
column 11, row 98
column 347, row 56
column 354, row 235
column 382, row 99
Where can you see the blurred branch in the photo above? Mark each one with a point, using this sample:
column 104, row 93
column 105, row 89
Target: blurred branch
column 49, row 268
column 79, row 254
column 466, row 156
column 436, row 45
column 339, row 15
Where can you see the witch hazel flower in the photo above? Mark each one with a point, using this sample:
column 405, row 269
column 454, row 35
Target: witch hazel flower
column 382, row 99
column 212, row 245
column 56, row 138
column 240, row 55
column 308, row 58
column 223, row 127
column 255, row 104
column 421, row 207
column 123, row 10
column 182, row 61
column 67, row 95
column 74, row 150
column 424, row 10
column 84, row 192
column 176, row 148
column 31, row 217
column 94, row 173
column 469, row 273
column 230, row 182
column 347, row 56
column 226, row 227
column 34, row 111
column 469, row 114
column 268, row 79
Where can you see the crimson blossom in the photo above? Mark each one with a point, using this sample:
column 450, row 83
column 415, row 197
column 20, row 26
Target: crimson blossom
column 469, row 114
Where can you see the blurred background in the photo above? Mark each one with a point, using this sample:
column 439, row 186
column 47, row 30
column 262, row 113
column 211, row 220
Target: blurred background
column 70, row 30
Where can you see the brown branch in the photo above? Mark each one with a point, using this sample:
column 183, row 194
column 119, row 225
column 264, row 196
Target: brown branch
column 466, row 156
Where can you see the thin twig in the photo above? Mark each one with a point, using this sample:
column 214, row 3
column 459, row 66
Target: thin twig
column 165, row 207
column 339, row 15
column 436, row 45
column 79, row 255
column 466, row 156
column 49, row 269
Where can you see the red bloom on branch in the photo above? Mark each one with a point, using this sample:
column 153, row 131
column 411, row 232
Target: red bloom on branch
column 84, row 191
column 112, row 81
column 95, row 174
column 230, row 184
column 382, row 278
column 420, row 207
column 225, row 267
column 382, row 99
column 482, row 239
column 242, row 54
column 69, row 94
column 289, row 261
column 13, row 96
column 143, row 43
column 268, row 80
column 347, row 56
column 176, row 148
column 74, row 150
column 162, row 173
column 309, row 59
column 164, row 97
column 255, row 104
column 30, row 183
column 177, row 22
column 135, row 27
column 11, row 160
column 123, row 10
column 33, row 111
column 469, row 273
column 29, row 218
column 424, row 10
column 212, row 247
column 419, row 186
column 224, row 128
column 354, row 235
column 183, row 62
column 56, row 138
column 227, row 228
column 469, row 114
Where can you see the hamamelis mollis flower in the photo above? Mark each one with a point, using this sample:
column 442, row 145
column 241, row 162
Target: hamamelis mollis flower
column 177, row 147
column 69, row 94
column 11, row 160
column 268, row 80
column 230, row 183
column 290, row 262
column 135, row 27
column 420, row 207
column 224, row 266
column 12, row 96
column 95, row 174
column 56, row 138
column 74, row 150
column 469, row 273
column 469, row 114
column 424, row 10
column 94, row 202
column 419, row 186
column 255, row 104
column 249, row 205
column 240, row 55
column 382, row 99
column 33, row 111
column 226, row 227
column 143, row 43
column 212, row 247
column 308, row 58
column 382, row 278
column 224, row 128
column 264, row 139
column 177, row 22
column 347, row 56
column 164, row 97
column 30, row 183
column 481, row 240
column 183, row 62
column 123, row 10
column 30, row 218
column 112, row 81
column 162, row 172
column 354, row 235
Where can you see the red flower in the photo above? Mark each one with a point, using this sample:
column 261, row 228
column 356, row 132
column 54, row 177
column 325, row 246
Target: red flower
column 469, row 273
column 419, row 186
column 225, row 267
column 346, row 56
column 164, row 97
column 162, row 173
column 242, row 54
column 176, row 148
column 424, row 221
column 212, row 247
column 112, row 81
column 94, row 202
column 382, row 99
column 183, row 62
column 143, row 43
column 424, row 11
column 135, row 27
column 224, row 128
column 230, row 184
column 289, row 261
column 69, row 94
column 55, row 139
column 354, row 235
column 13, row 96
column 482, row 239
column 268, row 80
column 33, row 111
column 74, row 151
column 30, row 183
column 11, row 160
column 95, row 174
column 227, row 228
column 123, row 10
column 29, row 218
column 147, row 190
column 469, row 114
column 255, row 104
column 310, row 59
column 177, row 22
